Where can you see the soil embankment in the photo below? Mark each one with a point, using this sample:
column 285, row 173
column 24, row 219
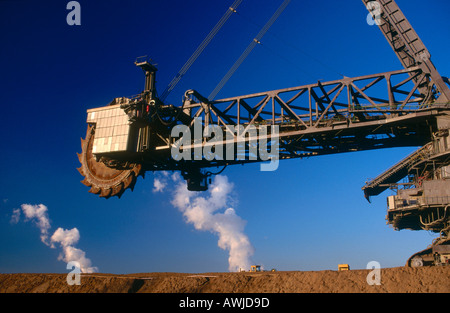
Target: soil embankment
column 398, row 280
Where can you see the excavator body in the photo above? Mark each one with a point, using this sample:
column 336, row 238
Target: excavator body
column 131, row 136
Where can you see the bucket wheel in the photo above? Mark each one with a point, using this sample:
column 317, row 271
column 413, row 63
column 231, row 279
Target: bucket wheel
column 103, row 180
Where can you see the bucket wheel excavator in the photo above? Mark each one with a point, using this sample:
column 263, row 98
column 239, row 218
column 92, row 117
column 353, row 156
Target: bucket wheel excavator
column 131, row 136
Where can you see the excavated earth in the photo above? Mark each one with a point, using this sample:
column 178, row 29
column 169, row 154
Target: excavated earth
column 393, row 280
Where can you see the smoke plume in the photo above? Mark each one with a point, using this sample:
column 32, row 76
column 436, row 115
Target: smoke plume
column 211, row 211
column 66, row 238
column 38, row 214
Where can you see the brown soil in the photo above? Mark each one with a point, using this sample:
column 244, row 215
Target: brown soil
column 398, row 280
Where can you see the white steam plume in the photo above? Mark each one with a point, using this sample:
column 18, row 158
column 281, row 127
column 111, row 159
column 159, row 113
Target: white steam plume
column 37, row 213
column 66, row 238
column 159, row 183
column 211, row 212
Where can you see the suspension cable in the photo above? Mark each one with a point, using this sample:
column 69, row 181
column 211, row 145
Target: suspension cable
column 292, row 45
column 247, row 51
column 200, row 49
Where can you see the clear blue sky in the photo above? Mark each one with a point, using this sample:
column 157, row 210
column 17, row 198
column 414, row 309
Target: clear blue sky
column 310, row 214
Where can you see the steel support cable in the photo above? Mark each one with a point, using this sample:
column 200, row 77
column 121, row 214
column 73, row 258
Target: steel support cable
column 323, row 64
column 247, row 51
column 200, row 49
column 232, row 70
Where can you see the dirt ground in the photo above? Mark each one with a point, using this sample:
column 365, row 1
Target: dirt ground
column 393, row 280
